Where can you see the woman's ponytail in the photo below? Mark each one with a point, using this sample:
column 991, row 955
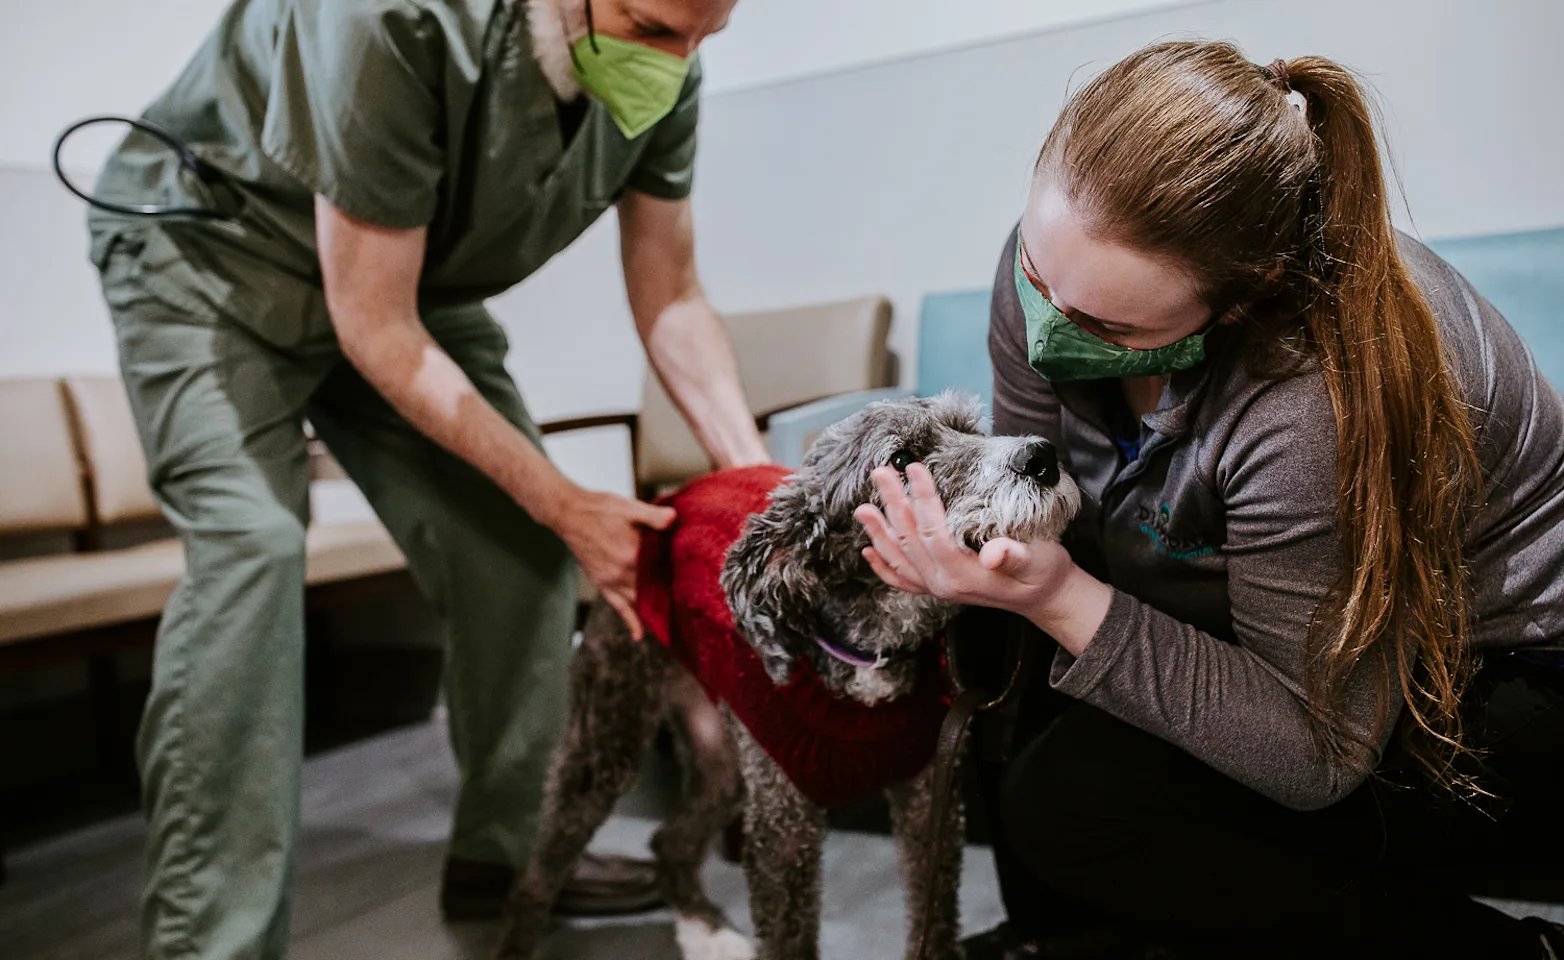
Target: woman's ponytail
column 1408, row 472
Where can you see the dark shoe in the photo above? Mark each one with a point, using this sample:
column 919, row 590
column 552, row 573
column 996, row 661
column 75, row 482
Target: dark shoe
column 602, row 886
column 472, row 890
column 606, row 886
column 1550, row 937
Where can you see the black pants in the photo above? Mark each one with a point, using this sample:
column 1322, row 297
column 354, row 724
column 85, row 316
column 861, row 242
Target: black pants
column 1100, row 823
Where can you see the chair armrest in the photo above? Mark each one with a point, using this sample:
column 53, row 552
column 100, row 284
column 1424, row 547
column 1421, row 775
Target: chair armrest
column 323, row 466
column 793, row 429
column 628, row 420
column 631, row 421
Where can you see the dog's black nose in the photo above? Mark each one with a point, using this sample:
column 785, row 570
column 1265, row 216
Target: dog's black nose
column 1039, row 461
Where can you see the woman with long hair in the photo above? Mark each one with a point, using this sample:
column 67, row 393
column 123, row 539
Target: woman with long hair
column 1304, row 692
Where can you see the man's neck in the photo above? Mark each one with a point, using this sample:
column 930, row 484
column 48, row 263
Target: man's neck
column 551, row 42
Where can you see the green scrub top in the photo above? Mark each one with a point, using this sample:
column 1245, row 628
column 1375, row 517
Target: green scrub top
column 402, row 113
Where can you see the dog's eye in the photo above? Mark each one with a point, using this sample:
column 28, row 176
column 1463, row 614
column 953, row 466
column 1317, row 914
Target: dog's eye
column 900, row 459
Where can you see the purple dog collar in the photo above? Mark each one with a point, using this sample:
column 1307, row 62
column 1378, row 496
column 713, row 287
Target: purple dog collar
column 850, row 657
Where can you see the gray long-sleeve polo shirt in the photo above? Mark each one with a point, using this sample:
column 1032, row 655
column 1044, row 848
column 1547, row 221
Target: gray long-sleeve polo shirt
column 1220, row 538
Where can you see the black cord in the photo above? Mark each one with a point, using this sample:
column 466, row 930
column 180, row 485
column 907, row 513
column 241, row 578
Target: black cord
column 187, row 159
column 591, row 30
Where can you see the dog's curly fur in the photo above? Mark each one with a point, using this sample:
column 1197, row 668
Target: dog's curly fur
column 796, row 574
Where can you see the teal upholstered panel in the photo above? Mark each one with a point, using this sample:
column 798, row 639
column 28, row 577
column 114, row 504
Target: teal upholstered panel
column 1522, row 274
column 953, row 345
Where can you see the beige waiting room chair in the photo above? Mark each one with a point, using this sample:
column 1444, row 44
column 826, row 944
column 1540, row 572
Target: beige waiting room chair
column 787, row 359
column 74, row 484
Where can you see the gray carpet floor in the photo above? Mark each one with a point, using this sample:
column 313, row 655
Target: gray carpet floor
column 375, row 821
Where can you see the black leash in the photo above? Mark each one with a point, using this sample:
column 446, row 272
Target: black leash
column 968, row 703
column 207, row 173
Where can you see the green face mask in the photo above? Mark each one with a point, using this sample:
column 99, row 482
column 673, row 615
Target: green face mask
column 1060, row 350
column 638, row 84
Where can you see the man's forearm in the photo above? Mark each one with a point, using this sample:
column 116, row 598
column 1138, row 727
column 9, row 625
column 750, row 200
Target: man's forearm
column 370, row 276
column 424, row 385
column 685, row 339
column 688, row 347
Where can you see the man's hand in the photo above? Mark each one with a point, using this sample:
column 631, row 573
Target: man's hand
column 684, row 338
column 603, row 530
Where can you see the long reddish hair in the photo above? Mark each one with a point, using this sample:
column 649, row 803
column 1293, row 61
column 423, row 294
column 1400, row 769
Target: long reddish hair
column 1188, row 150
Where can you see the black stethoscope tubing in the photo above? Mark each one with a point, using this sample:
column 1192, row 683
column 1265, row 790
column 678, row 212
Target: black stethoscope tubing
column 187, row 159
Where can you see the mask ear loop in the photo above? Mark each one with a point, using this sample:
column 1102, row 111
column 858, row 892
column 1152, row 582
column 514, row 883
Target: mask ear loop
column 591, row 29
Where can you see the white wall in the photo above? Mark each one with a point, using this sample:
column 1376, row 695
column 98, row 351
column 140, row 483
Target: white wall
column 63, row 59
column 904, row 176
column 768, row 41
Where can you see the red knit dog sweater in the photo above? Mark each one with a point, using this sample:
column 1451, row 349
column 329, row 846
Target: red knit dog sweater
column 836, row 750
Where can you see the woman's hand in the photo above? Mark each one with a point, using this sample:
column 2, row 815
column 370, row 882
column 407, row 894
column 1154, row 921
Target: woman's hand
column 914, row 550
column 603, row 530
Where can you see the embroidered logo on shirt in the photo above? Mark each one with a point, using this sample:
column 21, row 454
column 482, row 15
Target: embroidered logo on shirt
column 1154, row 524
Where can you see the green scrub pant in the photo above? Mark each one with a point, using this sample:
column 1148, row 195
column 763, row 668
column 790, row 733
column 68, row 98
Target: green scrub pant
column 219, row 411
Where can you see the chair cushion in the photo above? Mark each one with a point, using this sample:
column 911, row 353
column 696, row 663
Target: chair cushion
column 40, row 474
column 41, row 596
column 347, row 550
column 44, row 596
column 112, row 450
column 1522, row 274
column 953, row 345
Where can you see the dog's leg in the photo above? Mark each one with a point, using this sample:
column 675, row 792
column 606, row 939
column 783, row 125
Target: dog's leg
column 618, row 693
column 930, row 876
column 783, row 832
column 709, row 799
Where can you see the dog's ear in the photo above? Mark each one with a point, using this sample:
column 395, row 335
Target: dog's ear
column 770, row 581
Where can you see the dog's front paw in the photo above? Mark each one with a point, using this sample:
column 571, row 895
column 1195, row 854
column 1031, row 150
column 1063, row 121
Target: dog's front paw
column 699, row 940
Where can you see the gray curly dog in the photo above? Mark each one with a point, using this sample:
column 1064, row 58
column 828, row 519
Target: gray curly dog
column 796, row 571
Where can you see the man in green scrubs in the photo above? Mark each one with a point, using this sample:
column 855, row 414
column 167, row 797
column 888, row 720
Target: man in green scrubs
column 389, row 164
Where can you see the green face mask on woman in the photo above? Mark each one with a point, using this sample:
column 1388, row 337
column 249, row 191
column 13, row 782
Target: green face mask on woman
column 1060, row 350
column 638, row 84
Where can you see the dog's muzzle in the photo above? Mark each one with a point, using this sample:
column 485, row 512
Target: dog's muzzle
column 1038, row 462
